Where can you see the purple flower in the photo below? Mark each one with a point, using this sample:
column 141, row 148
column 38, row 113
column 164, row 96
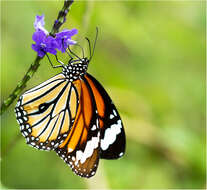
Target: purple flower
column 44, row 43
column 63, row 39
column 40, row 23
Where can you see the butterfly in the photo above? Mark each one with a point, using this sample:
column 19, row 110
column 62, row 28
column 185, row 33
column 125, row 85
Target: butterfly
column 72, row 114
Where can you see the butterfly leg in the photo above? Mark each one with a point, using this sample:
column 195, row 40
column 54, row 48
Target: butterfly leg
column 62, row 64
column 51, row 62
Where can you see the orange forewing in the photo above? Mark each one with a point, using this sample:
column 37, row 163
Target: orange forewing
column 99, row 101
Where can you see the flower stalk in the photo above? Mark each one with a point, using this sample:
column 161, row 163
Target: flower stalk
column 61, row 17
column 34, row 66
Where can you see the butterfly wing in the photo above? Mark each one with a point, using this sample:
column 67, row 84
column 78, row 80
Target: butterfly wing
column 76, row 119
column 44, row 114
column 112, row 132
column 80, row 150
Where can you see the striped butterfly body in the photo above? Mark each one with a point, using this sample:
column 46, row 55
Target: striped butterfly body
column 73, row 115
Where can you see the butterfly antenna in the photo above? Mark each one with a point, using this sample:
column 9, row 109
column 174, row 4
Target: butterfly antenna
column 94, row 45
column 81, row 49
column 89, row 45
column 73, row 53
column 71, row 58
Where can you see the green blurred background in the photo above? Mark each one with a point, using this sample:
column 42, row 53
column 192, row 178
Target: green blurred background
column 150, row 57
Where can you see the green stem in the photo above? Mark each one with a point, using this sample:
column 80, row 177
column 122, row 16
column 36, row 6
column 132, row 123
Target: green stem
column 61, row 17
column 34, row 66
column 21, row 85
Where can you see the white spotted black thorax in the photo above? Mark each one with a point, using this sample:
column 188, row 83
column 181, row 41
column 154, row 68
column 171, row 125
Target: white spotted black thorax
column 75, row 69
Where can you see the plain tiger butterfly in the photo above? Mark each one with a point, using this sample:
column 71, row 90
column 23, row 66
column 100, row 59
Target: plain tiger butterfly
column 72, row 114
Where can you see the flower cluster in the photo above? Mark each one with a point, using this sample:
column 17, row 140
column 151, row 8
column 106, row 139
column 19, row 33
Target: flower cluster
column 45, row 43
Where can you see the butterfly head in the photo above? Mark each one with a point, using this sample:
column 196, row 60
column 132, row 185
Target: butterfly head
column 76, row 68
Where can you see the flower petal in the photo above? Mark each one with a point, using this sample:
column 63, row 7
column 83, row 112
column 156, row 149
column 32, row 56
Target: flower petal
column 63, row 39
column 40, row 53
column 39, row 36
column 37, row 48
column 39, row 21
column 51, row 42
column 39, row 24
column 73, row 31
column 51, row 50
column 43, row 43
column 66, row 33
column 71, row 42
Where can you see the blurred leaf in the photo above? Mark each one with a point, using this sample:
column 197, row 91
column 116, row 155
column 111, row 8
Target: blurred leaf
column 150, row 57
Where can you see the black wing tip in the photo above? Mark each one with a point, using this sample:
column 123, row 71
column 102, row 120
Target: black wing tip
column 112, row 156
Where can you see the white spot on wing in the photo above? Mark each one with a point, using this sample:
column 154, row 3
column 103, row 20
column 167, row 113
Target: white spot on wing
column 21, row 127
column 20, row 121
column 56, row 145
column 121, row 154
column 115, row 112
column 29, row 130
column 111, row 116
column 90, row 147
column 25, row 133
column 93, row 128
column 110, row 135
column 18, row 104
column 70, row 150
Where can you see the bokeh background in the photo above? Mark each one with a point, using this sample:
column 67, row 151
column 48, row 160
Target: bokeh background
column 150, row 57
